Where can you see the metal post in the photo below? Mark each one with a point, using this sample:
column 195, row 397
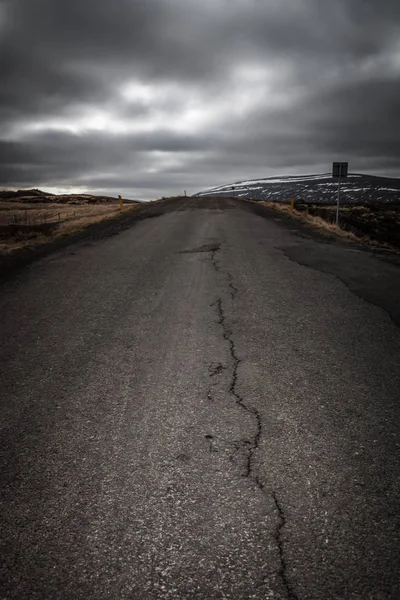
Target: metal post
column 338, row 200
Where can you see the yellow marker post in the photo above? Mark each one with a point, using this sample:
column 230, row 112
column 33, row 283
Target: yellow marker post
column 292, row 204
column 121, row 204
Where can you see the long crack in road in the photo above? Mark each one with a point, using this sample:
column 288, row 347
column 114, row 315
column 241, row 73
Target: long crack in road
column 249, row 447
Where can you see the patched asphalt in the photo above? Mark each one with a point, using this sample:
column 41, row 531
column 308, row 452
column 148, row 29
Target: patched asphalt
column 202, row 405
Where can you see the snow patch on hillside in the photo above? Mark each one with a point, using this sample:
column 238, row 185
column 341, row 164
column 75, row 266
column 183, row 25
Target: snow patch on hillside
column 320, row 188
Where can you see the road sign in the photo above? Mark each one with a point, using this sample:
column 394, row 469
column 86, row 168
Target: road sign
column 340, row 169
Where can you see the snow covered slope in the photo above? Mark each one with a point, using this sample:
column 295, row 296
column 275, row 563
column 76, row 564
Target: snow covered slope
column 321, row 189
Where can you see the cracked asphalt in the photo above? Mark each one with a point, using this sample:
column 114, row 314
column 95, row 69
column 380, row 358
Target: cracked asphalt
column 203, row 406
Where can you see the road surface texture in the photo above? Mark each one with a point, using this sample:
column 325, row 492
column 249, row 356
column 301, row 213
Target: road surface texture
column 204, row 406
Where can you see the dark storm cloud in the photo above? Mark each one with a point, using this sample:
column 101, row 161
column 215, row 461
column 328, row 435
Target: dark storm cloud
column 96, row 160
column 190, row 93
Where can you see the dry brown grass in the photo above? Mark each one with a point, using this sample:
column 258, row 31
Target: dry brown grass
column 52, row 213
column 60, row 219
column 318, row 222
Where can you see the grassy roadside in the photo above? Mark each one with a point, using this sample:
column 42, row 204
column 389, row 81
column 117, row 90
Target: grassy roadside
column 326, row 227
column 26, row 226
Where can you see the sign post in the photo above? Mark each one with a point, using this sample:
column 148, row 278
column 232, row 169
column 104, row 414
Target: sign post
column 339, row 171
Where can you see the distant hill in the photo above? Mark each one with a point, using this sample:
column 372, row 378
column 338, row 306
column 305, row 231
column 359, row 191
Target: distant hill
column 38, row 196
column 315, row 189
column 6, row 194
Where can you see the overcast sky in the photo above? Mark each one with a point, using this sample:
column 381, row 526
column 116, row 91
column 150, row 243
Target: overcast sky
column 150, row 97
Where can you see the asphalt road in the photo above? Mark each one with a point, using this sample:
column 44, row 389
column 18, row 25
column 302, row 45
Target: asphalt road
column 204, row 406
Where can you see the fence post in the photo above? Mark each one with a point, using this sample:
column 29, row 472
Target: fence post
column 121, row 205
column 292, row 204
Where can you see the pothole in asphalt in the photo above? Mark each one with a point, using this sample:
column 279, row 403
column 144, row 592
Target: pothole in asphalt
column 204, row 248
